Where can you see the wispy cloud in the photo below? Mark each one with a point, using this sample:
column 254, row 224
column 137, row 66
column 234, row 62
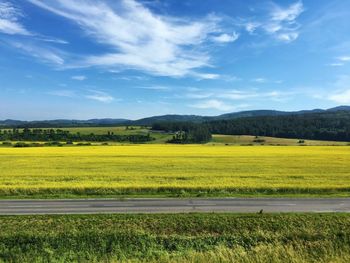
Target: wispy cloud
column 206, row 76
column 62, row 93
column 9, row 20
column 337, row 64
column 212, row 104
column 280, row 14
column 157, row 88
column 226, row 38
column 235, row 94
column 281, row 22
column 79, row 77
column 341, row 96
column 42, row 53
column 96, row 95
column 100, row 96
column 344, row 58
column 340, row 90
column 259, row 80
column 251, row 26
column 340, row 61
column 156, row 44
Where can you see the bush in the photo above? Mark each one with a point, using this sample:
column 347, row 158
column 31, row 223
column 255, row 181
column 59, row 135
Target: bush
column 83, row 144
column 20, row 144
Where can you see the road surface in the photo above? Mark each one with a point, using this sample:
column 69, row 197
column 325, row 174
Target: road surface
column 239, row 205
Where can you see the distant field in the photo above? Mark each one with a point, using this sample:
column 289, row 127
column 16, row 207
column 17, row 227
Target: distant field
column 262, row 140
column 269, row 238
column 175, row 170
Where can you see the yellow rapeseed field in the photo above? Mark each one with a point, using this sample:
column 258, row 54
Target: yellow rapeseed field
column 157, row 169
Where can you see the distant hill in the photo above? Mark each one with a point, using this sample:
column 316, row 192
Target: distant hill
column 163, row 118
column 171, row 118
column 62, row 123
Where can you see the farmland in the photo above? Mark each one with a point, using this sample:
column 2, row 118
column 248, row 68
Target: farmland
column 176, row 238
column 175, row 170
column 245, row 140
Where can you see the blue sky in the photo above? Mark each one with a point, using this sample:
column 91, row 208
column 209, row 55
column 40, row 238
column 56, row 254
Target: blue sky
column 85, row 59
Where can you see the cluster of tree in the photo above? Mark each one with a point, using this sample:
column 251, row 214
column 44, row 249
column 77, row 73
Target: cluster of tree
column 333, row 126
column 61, row 135
column 185, row 132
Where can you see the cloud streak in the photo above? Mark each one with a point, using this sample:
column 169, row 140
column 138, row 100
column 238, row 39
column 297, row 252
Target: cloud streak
column 79, row 77
column 281, row 22
column 100, row 96
column 226, row 38
column 212, row 104
column 139, row 39
column 9, row 20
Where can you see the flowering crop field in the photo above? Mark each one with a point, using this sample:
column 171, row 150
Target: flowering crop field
column 175, row 170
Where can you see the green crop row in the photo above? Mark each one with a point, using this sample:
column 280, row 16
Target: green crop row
column 176, row 238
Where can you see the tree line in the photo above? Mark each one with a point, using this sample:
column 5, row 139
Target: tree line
column 184, row 132
column 27, row 134
column 316, row 126
column 332, row 126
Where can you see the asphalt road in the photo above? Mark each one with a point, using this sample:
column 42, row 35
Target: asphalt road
column 239, row 205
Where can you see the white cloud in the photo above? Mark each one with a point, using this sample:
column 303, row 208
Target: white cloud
column 139, row 39
column 337, row 64
column 212, row 104
column 260, row 80
column 251, row 27
column 288, row 36
column 226, row 38
column 9, row 23
column 340, row 61
column 206, row 75
column 200, row 95
column 235, row 94
column 62, row 93
column 281, row 22
column 340, row 90
column 100, row 96
column 344, row 58
column 79, row 77
column 42, row 53
column 287, row 14
column 159, row 88
column 52, row 40
column 341, row 97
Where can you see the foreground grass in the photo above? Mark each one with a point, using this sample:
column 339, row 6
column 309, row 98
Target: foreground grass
column 185, row 170
column 176, row 238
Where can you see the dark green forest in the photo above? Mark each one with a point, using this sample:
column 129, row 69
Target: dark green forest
column 333, row 126
column 317, row 126
column 184, row 132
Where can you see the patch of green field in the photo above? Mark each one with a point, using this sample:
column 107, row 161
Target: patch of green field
column 175, row 170
column 159, row 137
column 176, row 238
column 262, row 140
column 121, row 130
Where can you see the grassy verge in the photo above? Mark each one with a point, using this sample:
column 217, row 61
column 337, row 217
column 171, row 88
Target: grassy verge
column 172, row 193
column 176, row 238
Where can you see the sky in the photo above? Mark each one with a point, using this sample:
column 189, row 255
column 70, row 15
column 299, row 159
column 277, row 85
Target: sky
column 82, row 59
